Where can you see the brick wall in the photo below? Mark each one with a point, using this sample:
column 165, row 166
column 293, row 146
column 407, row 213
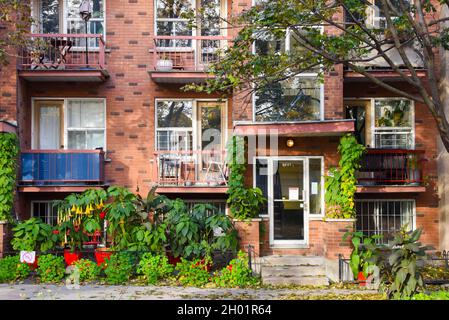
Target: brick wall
column 5, row 237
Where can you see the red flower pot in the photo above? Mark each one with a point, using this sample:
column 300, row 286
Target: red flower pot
column 102, row 255
column 71, row 257
column 361, row 278
column 33, row 265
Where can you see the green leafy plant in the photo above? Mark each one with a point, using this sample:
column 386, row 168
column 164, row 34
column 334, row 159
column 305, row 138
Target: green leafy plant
column 88, row 270
column 435, row 272
column 196, row 233
column 397, row 264
column 9, row 149
column 12, row 269
column 33, row 235
column 437, row 295
column 244, row 203
column 154, row 267
column 50, row 268
column 118, row 268
column 341, row 183
column 236, row 274
column 360, row 259
column 193, row 272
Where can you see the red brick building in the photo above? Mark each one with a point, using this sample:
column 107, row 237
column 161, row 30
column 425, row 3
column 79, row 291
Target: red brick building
column 117, row 115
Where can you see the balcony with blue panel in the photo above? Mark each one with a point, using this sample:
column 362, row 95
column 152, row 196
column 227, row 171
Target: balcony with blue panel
column 69, row 170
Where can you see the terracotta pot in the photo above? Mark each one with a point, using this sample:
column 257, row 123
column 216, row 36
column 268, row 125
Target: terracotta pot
column 101, row 254
column 71, row 257
column 361, row 278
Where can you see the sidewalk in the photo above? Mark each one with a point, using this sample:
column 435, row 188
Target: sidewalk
column 104, row 292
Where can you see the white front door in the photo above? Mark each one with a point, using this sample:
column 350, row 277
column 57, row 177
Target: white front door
column 288, row 206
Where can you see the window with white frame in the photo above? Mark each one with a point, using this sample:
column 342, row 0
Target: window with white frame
column 174, row 125
column 48, row 15
column 45, row 211
column 384, row 217
column 170, row 21
column 393, row 124
column 85, row 124
column 377, row 17
column 298, row 98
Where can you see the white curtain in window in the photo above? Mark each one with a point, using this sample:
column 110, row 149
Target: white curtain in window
column 49, row 123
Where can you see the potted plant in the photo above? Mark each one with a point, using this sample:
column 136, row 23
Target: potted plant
column 362, row 252
column 164, row 65
column 72, row 238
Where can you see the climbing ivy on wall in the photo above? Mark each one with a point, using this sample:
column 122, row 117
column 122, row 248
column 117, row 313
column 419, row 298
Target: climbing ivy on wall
column 244, row 203
column 341, row 183
column 9, row 149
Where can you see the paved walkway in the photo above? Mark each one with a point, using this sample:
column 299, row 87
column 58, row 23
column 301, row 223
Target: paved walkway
column 104, row 292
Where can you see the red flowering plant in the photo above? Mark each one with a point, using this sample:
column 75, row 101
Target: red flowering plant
column 81, row 218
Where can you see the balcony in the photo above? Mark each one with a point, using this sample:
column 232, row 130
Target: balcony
column 191, row 171
column 61, row 170
column 391, row 170
column 63, row 57
column 184, row 59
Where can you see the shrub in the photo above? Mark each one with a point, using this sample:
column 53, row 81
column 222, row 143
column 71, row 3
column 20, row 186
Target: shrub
column 437, row 295
column 193, row 273
column 88, row 270
column 397, row 264
column 50, row 268
column 435, row 272
column 154, row 267
column 12, row 269
column 236, row 274
column 118, row 268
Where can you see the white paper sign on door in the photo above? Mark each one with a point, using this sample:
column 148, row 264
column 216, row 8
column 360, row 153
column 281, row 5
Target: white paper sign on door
column 314, row 188
column 293, row 193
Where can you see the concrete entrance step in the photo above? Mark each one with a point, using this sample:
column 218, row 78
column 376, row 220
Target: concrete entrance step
column 292, row 271
column 300, row 281
column 292, row 260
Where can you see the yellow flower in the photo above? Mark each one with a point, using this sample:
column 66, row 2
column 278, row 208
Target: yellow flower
column 73, row 208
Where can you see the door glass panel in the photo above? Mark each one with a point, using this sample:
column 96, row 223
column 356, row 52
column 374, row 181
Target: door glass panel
column 211, row 127
column 315, row 186
column 262, row 182
column 49, row 127
column 288, row 204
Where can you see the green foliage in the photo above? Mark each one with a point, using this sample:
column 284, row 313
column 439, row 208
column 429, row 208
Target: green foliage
column 154, row 267
column 118, row 268
column 396, row 264
column 435, row 272
column 360, row 259
column 193, row 273
column 192, row 233
column 341, row 184
column 236, row 274
column 88, row 270
column 437, row 295
column 33, row 235
column 12, row 269
column 244, row 203
column 9, row 149
column 50, row 268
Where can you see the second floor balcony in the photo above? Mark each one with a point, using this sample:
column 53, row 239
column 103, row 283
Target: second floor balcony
column 191, row 171
column 392, row 168
column 184, row 59
column 69, row 170
column 63, row 57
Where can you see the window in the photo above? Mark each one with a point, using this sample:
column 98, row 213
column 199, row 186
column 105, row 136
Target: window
column 85, row 124
column 174, row 129
column 298, row 98
column 219, row 204
column 49, row 12
column 45, row 211
column 393, row 124
column 169, row 22
column 384, row 217
column 379, row 19
column 261, row 181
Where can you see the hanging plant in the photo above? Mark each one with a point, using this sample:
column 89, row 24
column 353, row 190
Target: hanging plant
column 9, row 149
